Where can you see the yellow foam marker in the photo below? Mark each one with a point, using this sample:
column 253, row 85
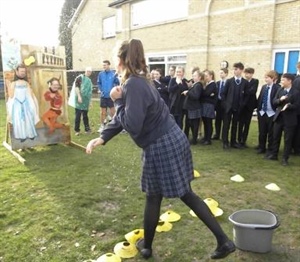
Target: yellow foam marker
column 170, row 216
column 133, row 236
column 272, row 187
column 125, row 249
column 237, row 178
column 164, row 226
column 109, row 257
column 30, row 60
column 213, row 206
column 196, row 173
column 192, row 213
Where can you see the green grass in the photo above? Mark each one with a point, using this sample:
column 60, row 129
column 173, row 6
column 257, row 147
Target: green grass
column 63, row 196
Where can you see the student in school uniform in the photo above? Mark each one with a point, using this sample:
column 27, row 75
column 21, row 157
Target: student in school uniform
column 232, row 103
column 167, row 158
column 177, row 85
column 250, row 103
column 287, row 102
column 265, row 113
column 208, row 102
column 192, row 104
column 219, row 111
column 160, row 86
column 296, row 139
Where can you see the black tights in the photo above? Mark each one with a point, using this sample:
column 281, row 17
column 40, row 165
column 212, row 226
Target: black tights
column 152, row 213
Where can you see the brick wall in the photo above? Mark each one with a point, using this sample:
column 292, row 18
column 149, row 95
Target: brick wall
column 216, row 30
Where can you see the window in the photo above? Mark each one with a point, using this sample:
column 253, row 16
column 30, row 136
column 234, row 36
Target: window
column 109, row 27
column 154, row 11
column 119, row 19
column 165, row 61
column 285, row 61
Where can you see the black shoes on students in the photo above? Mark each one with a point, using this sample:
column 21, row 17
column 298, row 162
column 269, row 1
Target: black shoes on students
column 220, row 252
column 145, row 252
column 223, row 250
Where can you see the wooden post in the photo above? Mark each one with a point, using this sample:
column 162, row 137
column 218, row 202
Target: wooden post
column 14, row 153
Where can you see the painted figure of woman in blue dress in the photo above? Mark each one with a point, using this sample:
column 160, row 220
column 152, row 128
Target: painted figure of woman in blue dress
column 22, row 106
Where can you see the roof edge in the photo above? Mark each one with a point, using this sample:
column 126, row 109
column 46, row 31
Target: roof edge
column 77, row 13
column 117, row 3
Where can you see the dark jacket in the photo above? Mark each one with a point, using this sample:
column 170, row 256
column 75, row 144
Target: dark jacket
column 192, row 99
column 141, row 112
column 229, row 101
column 289, row 115
column 176, row 99
column 210, row 94
column 250, row 101
column 162, row 90
column 274, row 90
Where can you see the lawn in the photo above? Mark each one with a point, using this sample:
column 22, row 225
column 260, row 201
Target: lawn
column 66, row 206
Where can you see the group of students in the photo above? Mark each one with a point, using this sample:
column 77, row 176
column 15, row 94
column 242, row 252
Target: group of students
column 230, row 102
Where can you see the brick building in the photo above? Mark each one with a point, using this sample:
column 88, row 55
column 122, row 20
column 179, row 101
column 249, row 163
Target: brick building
column 263, row 34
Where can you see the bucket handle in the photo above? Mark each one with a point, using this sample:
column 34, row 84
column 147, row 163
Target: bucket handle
column 273, row 227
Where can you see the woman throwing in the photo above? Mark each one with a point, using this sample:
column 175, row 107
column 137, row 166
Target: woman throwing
column 167, row 159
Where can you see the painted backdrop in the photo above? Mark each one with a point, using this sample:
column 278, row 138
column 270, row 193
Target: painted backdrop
column 35, row 94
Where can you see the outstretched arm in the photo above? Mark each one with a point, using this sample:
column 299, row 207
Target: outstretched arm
column 93, row 143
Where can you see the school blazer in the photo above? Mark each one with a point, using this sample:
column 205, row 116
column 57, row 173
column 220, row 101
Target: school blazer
column 228, row 94
column 192, row 99
column 250, row 100
column 274, row 90
column 290, row 114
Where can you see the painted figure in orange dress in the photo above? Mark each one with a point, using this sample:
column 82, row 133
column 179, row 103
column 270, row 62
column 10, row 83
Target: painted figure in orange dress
column 55, row 98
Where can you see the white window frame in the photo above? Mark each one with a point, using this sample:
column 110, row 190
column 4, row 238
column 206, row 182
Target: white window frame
column 109, row 27
column 286, row 57
column 119, row 18
column 151, row 12
column 166, row 61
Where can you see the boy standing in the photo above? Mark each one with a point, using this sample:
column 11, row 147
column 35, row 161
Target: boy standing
column 232, row 102
column 265, row 112
column 219, row 111
column 250, row 103
column 107, row 79
column 287, row 102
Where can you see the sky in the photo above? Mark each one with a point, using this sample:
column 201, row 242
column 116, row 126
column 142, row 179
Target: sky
column 33, row 22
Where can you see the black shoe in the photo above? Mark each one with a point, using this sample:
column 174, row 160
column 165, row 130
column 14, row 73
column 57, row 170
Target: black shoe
column 236, row 145
column 225, row 146
column 193, row 142
column 206, row 143
column 145, row 252
column 202, row 140
column 243, row 145
column 224, row 250
column 215, row 137
column 261, row 151
column 284, row 162
column 271, row 157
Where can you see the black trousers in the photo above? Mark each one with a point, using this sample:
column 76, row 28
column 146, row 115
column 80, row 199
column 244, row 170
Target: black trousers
column 230, row 120
column 218, row 119
column 194, row 125
column 208, row 128
column 288, row 136
column 296, row 139
column 244, row 125
column 265, row 132
column 85, row 118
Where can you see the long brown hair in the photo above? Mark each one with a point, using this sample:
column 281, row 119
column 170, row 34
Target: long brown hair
column 132, row 57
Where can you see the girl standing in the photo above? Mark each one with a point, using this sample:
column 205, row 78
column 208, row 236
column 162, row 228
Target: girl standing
column 167, row 159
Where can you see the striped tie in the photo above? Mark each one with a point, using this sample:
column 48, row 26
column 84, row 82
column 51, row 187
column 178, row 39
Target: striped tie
column 265, row 99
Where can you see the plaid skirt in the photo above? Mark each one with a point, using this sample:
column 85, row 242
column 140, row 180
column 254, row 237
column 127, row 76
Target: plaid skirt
column 193, row 114
column 167, row 165
column 208, row 110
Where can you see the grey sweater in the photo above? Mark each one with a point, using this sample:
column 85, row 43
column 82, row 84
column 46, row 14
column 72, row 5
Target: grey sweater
column 141, row 112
